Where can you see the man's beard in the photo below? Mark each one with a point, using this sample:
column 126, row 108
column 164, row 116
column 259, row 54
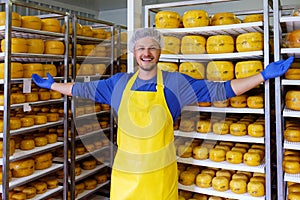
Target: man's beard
column 148, row 68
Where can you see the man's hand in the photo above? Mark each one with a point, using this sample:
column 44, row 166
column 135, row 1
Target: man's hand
column 43, row 83
column 277, row 68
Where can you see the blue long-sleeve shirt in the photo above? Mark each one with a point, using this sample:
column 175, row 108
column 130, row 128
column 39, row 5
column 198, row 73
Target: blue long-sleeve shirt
column 180, row 90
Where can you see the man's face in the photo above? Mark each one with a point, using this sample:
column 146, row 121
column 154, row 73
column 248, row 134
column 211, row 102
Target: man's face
column 147, row 53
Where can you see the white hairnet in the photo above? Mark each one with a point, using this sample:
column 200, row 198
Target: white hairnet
column 146, row 32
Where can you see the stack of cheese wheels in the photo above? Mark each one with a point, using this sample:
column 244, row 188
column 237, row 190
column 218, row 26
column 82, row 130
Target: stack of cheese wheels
column 16, row 70
column 195, row 18
column 88, row 50
column 99, row 33
column 16, row 19
column 99, row 69
column 292, row 134
column 86, row 69
column 32, row 68
column 100, row 51
column 220, row 44
column 171, row 45
column 50, row 24
column 223, row 18
column 293, row 39
column 35, row 46
column 78, row 28
column 291, row 162
column 49, row 68
column 54, row 47
column 248, row 68
column 168, row 66
column 18, row 45
column 167, row 19
column 220, row 70
column 87, row 31
column 293, row 73
column 253, row 18
column 193, row 44
column 31, row 22
column 292, row 99
column 250, row 42
column 193, row 69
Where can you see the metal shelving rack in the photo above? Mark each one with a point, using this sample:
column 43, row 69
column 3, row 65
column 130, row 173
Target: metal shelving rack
column 234, row 29
column 284, row 23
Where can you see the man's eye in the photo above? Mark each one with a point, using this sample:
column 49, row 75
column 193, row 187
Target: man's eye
column 141, row 49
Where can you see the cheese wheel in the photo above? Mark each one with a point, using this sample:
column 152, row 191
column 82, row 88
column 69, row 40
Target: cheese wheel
column 220, row 44
column 78, row 28
column 35, row 46
column 16, row 98
column 27, row 121
column 256, row 130
column 245, row 69
column 55, row 94
column 292, row 74
column 16, row 19
column 195, row 18
column 167, row 19
column 167, row 66
column 255, row 101
column 99, row 69
column 88, row 50
column 18, row 45
column 11, row 148
column 15, row 123
column 99, row 33
column 292, row 100
column 171, row 45
column 44, row 95
column 293, row 39
column 49, row 68
column 16, row 70
column 87, row 31
column 39, row 119
column 239, row 101
column 86, row 69
column 193, row 44
column 292, row 134
column 250, row 42
column 54, row 47
column 22, row 168
column 31, row 22
column 220, row 70
column 238, row 129
column 33, row 68
column 43, row 161
column 223, row 18
column 193, row 69
column 50, row 24
column 253, row 18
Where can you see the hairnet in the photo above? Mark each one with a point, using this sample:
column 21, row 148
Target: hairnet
column 143, row 33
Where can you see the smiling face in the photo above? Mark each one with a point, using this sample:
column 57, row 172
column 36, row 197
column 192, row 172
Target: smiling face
column 147, row 52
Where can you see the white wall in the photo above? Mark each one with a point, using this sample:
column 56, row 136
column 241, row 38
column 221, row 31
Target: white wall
column 118, row 16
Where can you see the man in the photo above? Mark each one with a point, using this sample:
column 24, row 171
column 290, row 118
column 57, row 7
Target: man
column 147, row 103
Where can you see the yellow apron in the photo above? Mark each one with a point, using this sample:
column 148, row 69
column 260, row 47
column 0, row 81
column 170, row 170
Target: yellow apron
column 145, row 165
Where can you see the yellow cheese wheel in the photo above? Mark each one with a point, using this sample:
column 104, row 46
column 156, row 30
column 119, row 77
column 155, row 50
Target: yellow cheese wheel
column 55, row 94
column 253, row 18
column 256, row 130
column 49, row 68
column 255, row 101
column 35, row 46
column 223, row 18
column 171, row 45
column 16, row 19
column 100, row 51
column 293, row 39
column 292, row 134
column 239, row 101
column 78, row 28
column 31, row 97
column 99, row 69
column 292, row 74
column 33, row 68
column 193, row 44
column 27, row 121
column 50, row 24
column 250, row 42
column 88, row 50
column 167, row 19
column 16, row 98
column 15, row 123
column 238, row 129
column 18, row 45
column 44, row 95
column 87, row 31
column 99, row 33
column 193, row 69
column 195, row 18
column 16, row 70
column 39, row 119
column 248, row 68
column 220, row 44
column 168, row 66
column 220, row 70
column 86, row 69
column 31, row 22
column 54, row 47
column 292, row 100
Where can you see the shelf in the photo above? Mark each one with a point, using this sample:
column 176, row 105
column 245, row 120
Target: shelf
column 227, row 137
column 47, row 193
column 290, row 113
column 20, row 154
column 291, row 145
column 211, row 191
column 91, row 40
column 88, row 154
column 80, row 137
column 25, row 57
column 290, row 82
column 209, row 57
column 36, row 103
column 292, row 177
column 93, row 59
column 32, row 128
column 91, row 114
column 85, row 193
column 86, row 173
column 231, row 29
column 223, row 165
column 292, row 22
column 224, row 110
column 291, row 52
column 37, row 174
column 21, row 80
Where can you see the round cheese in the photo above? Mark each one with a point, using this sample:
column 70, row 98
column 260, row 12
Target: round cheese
column 219, row 44
column 220, row 70
column 99, row 68
column 193, row 69
column 16, row 70
column 86, row 69
column 248, row 68
column 168, row 66
column 292, row 100
column 253, row 18
column 88, row 50
column 193, row 44
column 223, row 18
column 99, row 33
column 33, row 68
column 54, row 47
column 250, row 42
column 31, row 22
column 50, row 24
column 78, row 28
column 16, row 19
column 87, row 31
column 49, row 68
column 195, row 18
column 171, row 45
column 293, row 39
column 18, row 45
column 35, row 46
column 167, row 19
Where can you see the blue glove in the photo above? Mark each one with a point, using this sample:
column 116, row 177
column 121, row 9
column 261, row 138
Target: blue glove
column 43, row 83
column 277, row 68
